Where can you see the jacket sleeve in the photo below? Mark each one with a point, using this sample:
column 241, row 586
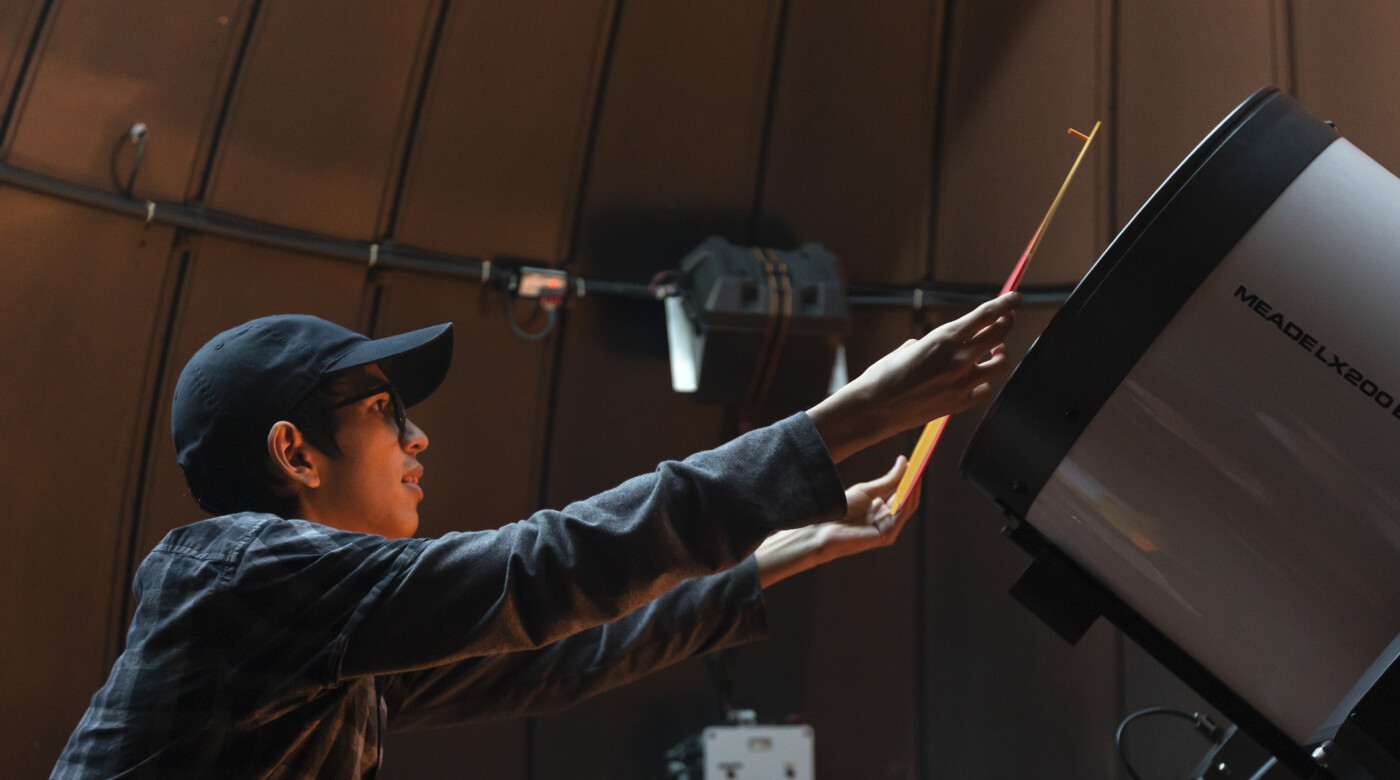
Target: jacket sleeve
column 695, row 617
column 557, row 573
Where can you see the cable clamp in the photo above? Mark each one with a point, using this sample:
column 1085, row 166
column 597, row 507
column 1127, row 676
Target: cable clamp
column 373, row 255
column 486, row 270
column 150, row 212
column 918, row 299
column 578, row 287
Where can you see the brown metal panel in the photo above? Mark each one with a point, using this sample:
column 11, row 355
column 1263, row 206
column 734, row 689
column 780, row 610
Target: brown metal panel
column 674, row 161
column 228, row 283
column 1018, row 74
column 856, row 179
column 105, row 66
column 80, row 309
column 17, row 21
column 1183, row 67
column 1005, row 695
column 500, row 144
column 848, row 635
column 1347, row 64
column 314, row 133
column 848, row 165
column 849, row 150
column 485, row 427
column 679, row 134
column 675, row 158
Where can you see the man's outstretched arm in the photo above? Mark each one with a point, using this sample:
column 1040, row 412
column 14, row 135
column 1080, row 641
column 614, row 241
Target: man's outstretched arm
column 698, row 616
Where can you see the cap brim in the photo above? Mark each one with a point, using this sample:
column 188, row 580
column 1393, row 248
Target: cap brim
column 416, row 361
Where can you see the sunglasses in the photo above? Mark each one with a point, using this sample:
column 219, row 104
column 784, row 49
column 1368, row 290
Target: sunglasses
column 400, row 417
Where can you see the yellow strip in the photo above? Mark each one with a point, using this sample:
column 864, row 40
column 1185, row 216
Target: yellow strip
column 917, row 461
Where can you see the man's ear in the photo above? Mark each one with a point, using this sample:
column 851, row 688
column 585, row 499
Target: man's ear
column 291, row 458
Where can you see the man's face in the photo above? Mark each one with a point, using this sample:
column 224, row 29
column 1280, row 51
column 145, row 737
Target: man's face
column 373, row 486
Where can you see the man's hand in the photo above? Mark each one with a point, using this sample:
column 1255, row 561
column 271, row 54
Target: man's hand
column 867, row 524
column 946, row 371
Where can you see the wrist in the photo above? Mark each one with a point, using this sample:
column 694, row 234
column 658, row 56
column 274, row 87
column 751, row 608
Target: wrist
column 842, row 426
column 786, row 553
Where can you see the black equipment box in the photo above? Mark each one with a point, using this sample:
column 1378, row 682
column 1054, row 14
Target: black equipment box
column 767, row 323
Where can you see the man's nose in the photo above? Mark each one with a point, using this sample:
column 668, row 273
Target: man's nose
column 412, row 438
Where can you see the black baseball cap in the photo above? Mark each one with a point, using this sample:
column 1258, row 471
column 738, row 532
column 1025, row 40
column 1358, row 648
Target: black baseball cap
column 249, row 377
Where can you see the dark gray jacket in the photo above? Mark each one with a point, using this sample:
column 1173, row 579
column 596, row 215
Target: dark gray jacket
column 266, row 647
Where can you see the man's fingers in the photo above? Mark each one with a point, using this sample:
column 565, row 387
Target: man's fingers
column 992, row 368
column 979, row 394
column 990, row 336
column 981, row 376
column 982, row 316
column 984, row 374
column 897, row 470
column 885, row 486
column 1008, row 319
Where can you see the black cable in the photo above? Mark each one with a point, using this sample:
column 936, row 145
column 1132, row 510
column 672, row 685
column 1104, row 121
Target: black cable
column 193, row 217
column 1203, row 725
column 136, row 164
column 949, row 294
column 521, row 332
column 620, row 289
column 930, row 300
column 135, row 135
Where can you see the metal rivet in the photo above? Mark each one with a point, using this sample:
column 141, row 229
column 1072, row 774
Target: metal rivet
column 1071, row 416
column 1018, row 488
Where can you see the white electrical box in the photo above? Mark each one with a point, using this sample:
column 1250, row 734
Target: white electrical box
column 758, row 752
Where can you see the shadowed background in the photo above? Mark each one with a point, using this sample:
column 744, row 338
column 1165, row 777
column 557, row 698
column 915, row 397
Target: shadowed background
column 920, row 141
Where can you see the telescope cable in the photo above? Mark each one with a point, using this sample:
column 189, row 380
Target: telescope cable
column 1202, row 723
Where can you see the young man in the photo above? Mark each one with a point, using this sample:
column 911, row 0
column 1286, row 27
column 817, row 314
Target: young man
column 284, row 636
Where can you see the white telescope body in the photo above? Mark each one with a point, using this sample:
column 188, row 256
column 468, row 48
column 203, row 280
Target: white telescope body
column 1209, row 433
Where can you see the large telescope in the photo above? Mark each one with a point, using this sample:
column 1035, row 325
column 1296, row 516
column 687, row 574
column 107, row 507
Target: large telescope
column 1204, row 444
